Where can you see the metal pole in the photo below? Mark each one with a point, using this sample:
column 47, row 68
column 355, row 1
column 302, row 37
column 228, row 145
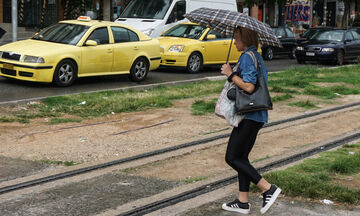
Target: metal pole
column 14, row 17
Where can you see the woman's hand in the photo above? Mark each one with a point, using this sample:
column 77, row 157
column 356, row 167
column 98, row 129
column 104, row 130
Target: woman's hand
column 226, row 69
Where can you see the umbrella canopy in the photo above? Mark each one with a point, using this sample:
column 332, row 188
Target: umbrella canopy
column 225, row 21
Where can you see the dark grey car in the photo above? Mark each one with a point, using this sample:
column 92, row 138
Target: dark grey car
column 288, row 41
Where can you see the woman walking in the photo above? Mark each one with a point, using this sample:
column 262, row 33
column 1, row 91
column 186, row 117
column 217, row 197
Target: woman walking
column 243, row 137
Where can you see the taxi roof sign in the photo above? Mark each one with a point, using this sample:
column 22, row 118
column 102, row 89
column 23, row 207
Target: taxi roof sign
column 84, row 18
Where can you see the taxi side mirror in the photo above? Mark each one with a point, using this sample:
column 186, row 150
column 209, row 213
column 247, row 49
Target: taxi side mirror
column 210, row 37
column 91, row 43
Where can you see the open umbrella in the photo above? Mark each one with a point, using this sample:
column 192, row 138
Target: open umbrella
column 225, row 21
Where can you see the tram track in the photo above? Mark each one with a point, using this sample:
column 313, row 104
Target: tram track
column 75, row 172
column 206, row 188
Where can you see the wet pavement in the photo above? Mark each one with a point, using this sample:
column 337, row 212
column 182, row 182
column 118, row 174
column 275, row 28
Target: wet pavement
column 85, row 197
column 283, row 206
column 11, row 168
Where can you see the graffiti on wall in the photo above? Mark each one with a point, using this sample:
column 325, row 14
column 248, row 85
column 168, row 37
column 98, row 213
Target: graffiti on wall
column 298, row 11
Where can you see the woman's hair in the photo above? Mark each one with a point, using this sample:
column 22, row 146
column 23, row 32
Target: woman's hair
column 248, row 37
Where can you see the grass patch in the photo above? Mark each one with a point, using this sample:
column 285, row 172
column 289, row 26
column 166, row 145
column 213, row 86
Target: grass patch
column 64, row 163
column 62, row 120
column 192, row 180
column 7, row 119
column 314, row 178
column 281, row 97
column 260, row 159
column 302, row 80
column 201, row 107
column 304, row 104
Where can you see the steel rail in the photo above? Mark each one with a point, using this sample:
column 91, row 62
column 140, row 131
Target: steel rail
column 67, row 174
column 226, row 181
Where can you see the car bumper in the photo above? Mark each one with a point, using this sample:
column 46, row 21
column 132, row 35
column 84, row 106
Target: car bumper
column 29, row 72
column 174, row 59
column 315, row 56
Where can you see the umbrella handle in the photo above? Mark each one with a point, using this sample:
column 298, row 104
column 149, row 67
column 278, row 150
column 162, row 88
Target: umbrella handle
column 232, row 38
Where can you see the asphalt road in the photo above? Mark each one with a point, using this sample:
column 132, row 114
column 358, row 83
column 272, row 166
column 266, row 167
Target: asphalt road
column 13, row 90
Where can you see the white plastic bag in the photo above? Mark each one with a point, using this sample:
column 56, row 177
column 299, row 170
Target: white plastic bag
column 225, row 108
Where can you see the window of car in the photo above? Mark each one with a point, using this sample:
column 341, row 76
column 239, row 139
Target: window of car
column 335, row 35
column 123, row 35
column 62, row 33
column 185, row 31
column 218, row 35
column 289, row 33
column 280, row 32
column 348, row 36
column 100, row 35
column 356, row 35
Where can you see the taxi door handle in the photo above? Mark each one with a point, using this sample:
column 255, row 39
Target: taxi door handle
column 109, row 51
column 136, row 48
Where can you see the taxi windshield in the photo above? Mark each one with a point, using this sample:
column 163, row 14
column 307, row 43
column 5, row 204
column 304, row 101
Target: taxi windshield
column 185, row 31
column 145, row 9
column 62, row 33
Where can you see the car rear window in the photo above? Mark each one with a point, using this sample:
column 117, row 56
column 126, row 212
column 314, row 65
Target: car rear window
column 122, row 35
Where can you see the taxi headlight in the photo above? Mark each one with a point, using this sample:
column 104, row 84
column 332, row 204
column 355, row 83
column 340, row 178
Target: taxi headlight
column 176, row 48
column 33, row 59
column 299, row 48
column 327, row 49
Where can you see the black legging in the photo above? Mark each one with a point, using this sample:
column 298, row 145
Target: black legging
column 241, row 141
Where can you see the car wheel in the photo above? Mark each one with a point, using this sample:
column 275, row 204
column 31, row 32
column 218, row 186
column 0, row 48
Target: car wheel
column 139, row 70
column 65, row 73
column 195, row 63
column 300, row 61
column 340, row 58
column 292, row 54
column 268, row 54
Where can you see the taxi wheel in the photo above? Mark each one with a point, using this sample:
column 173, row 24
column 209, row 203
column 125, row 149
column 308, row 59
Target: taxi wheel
column 65, row 73
column 195, row 63
column 268, row 54
column 340, row 58
column 139, row 70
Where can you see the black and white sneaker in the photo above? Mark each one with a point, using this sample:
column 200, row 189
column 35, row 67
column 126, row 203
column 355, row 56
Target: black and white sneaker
column 269, row 198
column 237, row 206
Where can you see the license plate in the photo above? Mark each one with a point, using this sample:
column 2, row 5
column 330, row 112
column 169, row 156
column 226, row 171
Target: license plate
column 310, row 54
column 8, row 66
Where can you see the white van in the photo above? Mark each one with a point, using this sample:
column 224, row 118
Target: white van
column 155, row 16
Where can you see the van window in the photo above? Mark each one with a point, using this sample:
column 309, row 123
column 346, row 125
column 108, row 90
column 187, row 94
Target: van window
column 178, row 12
column 145, row 9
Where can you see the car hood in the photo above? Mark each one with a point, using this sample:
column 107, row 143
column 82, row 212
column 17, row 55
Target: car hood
column 320, row 43
column 35, row 47
column 166, row 42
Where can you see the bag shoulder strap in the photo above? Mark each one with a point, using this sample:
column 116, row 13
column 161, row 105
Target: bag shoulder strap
column 255, row 60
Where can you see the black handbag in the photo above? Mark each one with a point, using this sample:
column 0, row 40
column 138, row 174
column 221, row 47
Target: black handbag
column 259, row 99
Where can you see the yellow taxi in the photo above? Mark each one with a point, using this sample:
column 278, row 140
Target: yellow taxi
column 191, row 46
column 80, row 48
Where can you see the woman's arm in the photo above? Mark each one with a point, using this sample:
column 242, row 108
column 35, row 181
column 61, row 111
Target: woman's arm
column 246, row 86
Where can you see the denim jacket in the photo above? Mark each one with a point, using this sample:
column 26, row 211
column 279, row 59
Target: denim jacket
column 249, row 73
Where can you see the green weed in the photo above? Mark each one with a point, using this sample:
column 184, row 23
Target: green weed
column 201, row 107
column 304, row 104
